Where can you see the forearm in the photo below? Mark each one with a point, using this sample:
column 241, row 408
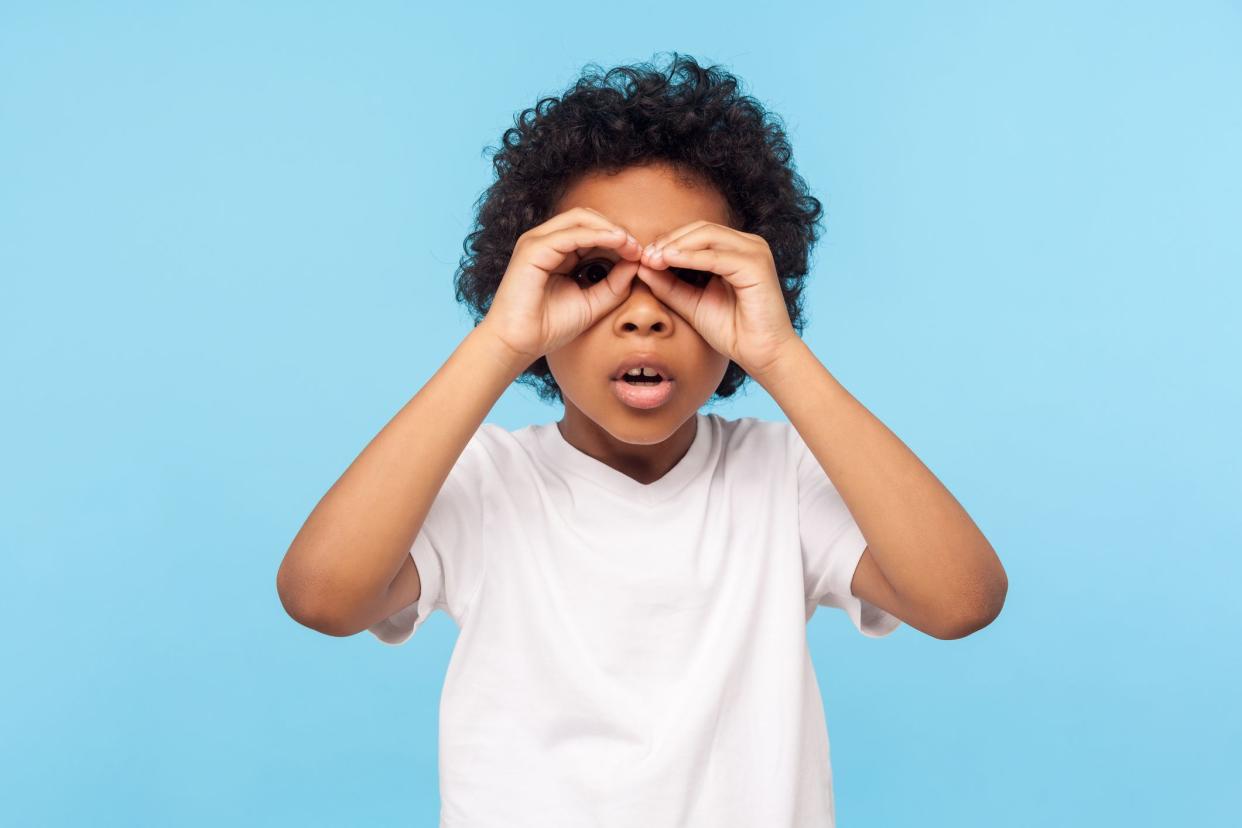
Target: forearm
column 928, row 548
column 357, row 537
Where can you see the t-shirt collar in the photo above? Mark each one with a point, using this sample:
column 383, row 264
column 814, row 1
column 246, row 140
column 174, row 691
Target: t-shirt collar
column 567, row 456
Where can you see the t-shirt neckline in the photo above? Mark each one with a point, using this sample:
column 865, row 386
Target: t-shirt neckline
column 579, row 462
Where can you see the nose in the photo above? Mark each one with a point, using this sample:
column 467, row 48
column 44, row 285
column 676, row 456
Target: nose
column 642, row 312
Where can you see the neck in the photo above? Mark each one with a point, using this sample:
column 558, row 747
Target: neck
column 644, row 462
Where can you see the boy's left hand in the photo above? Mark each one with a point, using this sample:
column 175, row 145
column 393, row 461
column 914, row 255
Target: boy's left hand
column 742, row 314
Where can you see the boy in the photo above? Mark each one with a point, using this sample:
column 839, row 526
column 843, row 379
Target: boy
column 633, row 582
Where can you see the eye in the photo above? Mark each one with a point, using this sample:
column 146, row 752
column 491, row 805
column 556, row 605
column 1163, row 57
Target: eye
column 698, row 278
column 592, row 270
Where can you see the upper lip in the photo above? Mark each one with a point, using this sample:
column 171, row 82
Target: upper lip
column 642, row 360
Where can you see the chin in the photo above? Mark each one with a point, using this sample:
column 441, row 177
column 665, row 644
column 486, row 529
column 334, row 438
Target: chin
column 638, row 435
column 637, row 426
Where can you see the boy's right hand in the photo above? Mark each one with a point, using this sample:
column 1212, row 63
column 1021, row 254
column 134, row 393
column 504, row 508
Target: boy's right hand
column 538, row 306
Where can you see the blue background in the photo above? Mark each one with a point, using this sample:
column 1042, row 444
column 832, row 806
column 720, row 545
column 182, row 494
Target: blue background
column 227, row 236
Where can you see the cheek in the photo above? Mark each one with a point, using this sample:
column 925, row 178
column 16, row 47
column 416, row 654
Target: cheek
column 710, row 361
column 714, row 367
column 708, row 368
column 566, row 363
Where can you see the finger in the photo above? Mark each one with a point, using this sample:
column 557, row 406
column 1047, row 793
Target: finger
column 579, row 216
column 622, row 277
column 633, row 249
column 550, row 252
column 676, row 232
column 610, row 291
column 705, row 235
column 730, row 265
column 629, row 247
column 683, row 298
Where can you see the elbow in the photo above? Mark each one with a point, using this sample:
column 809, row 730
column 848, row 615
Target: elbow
column 300, row 604
column 961, row 629
column 980, row 611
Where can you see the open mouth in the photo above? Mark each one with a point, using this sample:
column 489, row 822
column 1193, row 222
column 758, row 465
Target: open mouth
column 642, row 380
column 637, row 391
column 642, row 376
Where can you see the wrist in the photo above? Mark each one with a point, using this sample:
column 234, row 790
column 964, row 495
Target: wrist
column 788, row 358
column 510, row 359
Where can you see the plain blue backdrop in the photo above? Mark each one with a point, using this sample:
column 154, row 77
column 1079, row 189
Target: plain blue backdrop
column 227, row 239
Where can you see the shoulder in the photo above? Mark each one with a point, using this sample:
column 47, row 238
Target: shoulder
column 491, row 435
column 747, row 436
column 493, row 449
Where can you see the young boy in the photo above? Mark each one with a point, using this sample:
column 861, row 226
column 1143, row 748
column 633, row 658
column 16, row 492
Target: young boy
column 633, row 582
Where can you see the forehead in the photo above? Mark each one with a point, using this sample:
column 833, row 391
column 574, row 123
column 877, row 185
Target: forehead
column 647, row 200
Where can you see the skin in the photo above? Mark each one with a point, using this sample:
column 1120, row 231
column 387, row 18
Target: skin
column 926, row 561
column 648, row 201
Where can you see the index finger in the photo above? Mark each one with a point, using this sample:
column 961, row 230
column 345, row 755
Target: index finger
column 584, row 216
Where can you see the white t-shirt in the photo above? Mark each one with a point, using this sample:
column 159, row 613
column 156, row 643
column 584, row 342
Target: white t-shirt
column 635, row 654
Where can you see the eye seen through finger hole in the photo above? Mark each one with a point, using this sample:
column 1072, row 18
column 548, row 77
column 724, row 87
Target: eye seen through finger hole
column 591, row 271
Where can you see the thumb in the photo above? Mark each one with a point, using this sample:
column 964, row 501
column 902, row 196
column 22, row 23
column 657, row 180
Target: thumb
column 610, row 291
column 670, row 290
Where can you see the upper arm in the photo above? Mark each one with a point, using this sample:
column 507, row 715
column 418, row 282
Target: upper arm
column 405, row 589
column 870, row 585
column 447, row 558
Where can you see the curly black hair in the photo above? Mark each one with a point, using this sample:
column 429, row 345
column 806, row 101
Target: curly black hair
column 689, row 116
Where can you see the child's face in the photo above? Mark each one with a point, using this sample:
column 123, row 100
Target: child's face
column 646, row 201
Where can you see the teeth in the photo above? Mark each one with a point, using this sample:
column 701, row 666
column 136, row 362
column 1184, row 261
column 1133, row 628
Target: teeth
column 643, row 372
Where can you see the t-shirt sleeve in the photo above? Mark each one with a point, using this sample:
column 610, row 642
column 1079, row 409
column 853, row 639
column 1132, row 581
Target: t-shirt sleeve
column 832, row 545
column 448, row 550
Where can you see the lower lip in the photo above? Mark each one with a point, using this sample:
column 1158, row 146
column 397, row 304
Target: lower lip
column 643, row 396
